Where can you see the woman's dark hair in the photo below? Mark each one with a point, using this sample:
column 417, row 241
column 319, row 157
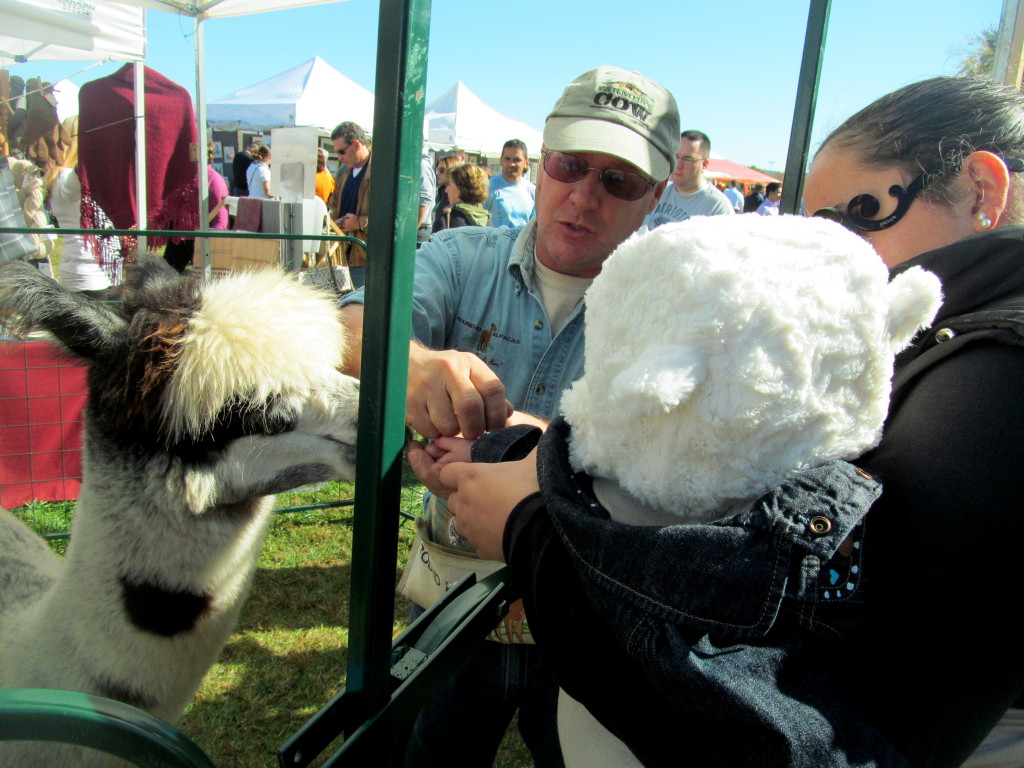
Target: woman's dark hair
column 472, row 183
column 933, row 125
column 262, row 152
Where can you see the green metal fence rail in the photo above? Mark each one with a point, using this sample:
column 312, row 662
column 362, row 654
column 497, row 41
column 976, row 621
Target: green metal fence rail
column 189, row 233
column 68, row 717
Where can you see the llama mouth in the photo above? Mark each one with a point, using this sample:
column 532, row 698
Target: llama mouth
column 348, row 450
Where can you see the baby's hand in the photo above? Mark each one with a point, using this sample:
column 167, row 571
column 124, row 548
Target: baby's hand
column 447, row 450
column 428, row 459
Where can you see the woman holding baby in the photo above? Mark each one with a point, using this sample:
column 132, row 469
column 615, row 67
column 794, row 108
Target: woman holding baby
column 931, row 175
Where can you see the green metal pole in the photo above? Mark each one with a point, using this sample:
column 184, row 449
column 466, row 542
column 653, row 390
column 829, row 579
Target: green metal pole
column 403, row 31
column 806, row 99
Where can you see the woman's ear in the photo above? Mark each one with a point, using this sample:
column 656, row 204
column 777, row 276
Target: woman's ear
column 991, row 184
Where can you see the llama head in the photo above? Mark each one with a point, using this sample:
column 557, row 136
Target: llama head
column 759, row 346
column 229, row 388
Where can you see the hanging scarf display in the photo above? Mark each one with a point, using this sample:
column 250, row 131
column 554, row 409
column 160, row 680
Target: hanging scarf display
column 106, row 165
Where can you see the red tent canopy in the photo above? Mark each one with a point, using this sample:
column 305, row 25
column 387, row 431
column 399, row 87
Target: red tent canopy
column 721, row 168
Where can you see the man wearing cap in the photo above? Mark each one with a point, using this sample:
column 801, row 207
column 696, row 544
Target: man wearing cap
column 497, row 337
column 689, row 193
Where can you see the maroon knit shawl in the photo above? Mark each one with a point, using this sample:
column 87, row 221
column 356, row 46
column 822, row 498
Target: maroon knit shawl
column 106, row 159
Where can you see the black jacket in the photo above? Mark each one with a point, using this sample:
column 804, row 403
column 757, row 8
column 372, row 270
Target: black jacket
column 936, row 659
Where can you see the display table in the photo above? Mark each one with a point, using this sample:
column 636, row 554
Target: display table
column 42, row 397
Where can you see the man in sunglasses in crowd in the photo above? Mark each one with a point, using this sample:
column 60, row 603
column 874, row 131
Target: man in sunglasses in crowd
column 498, row 336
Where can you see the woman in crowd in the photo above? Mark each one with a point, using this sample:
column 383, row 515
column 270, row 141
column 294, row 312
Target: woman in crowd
column 79, row 270
column 218, row 190
column 466, row 190
column 324, row 179
column 258, row 174
column 444, row 165
column 931, row 175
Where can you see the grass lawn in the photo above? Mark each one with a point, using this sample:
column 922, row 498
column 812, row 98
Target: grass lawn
column 288, row 653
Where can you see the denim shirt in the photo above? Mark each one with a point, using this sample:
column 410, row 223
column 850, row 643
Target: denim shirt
column 730, row 627
column 474, row 291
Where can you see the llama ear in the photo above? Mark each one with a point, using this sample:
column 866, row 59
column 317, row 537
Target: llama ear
column 82, row 326
column 149, row 272
column 662, row 379
column 914, row 298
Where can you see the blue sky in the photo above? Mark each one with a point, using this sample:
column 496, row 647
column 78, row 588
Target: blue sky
column 732, row 67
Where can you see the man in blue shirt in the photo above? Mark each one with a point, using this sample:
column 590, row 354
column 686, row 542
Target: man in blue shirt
column 498, row 336
column 511, row 196
column 735, row 196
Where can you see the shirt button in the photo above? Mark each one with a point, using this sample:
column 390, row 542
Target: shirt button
column 820, row 525
column 541, row 389
column 538, row 324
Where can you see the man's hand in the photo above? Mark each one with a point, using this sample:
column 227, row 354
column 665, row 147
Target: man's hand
column 483, row 496
column 428, row 460
column 452, row 393
column 349, row 222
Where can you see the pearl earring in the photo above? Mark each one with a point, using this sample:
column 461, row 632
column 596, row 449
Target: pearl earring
column 984, row 221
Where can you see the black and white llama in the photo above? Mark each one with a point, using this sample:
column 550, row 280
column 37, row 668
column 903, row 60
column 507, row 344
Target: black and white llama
column 204, row 399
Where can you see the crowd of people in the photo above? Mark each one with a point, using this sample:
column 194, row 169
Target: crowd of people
column 68, row 174
column 924, row 669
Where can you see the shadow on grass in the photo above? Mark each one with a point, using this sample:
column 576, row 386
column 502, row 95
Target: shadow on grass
column 255, row 698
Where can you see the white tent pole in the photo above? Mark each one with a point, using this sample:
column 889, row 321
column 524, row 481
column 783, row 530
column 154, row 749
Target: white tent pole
column 204, row 180
column 142, row 204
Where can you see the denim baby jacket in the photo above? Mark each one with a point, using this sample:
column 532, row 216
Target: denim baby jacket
column 702, row 644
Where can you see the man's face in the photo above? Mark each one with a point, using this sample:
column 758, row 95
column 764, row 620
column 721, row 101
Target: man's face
column 353, row 155
column 579, row 225
column 342, row 148
column 690, row 164
column 513, row 164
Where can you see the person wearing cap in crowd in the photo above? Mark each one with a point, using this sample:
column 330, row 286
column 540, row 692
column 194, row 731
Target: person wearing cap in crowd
column 498, row 337
column 689, row 193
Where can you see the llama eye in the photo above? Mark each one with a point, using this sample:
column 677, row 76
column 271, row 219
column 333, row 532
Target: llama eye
column 239, row 418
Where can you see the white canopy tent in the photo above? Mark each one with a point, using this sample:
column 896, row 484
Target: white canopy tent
column 312, row 93
column 51, row 30
column 43, row 30
column 460, row 118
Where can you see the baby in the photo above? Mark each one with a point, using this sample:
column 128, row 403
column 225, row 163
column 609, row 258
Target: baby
column 732, row 363
column 724, row 355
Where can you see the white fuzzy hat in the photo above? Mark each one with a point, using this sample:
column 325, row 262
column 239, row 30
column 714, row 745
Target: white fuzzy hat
column 725, row 353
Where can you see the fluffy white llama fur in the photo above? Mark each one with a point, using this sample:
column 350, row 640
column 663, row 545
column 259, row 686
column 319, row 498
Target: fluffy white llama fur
column 725, row 353
column 204, row 399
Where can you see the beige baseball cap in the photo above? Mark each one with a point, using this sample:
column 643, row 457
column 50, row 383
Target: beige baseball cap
column 618, row 113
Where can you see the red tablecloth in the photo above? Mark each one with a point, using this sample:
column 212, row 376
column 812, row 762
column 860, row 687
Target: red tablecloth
column 41, row 401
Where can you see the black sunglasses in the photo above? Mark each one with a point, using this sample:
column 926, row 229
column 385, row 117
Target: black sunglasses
column 861, row 210
column 570, row 169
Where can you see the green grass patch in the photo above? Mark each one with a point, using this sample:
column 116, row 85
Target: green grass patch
column 288, row 654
